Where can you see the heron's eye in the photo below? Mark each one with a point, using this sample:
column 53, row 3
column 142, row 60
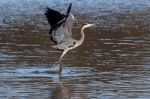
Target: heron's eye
column 74, row 42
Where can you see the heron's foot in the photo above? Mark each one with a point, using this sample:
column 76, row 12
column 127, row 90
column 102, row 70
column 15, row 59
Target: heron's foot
column 56, row 67
column 60, row 69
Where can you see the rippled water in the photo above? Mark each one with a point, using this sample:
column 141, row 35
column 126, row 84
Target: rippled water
column 113, row 62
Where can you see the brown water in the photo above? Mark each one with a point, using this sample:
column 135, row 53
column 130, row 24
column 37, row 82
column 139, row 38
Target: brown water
column 113, row 62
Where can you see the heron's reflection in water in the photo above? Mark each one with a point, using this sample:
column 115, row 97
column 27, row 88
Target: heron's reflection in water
column 64, row 92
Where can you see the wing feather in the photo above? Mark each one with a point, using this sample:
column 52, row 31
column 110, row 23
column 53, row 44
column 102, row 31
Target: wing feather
column 53, row 16
column 61, row 26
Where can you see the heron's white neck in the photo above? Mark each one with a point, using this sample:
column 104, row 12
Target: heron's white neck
column 82, row 34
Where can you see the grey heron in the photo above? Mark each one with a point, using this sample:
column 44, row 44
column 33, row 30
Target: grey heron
column 61, row 30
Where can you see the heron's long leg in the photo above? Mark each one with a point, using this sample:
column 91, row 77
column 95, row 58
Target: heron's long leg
column 64, row 52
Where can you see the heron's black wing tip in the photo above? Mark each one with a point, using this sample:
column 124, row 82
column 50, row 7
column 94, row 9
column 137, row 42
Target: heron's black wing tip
column 69, row 9
column 70, row 4
column 53, row 16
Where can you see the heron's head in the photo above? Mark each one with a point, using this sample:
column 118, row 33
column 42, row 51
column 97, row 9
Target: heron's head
column 88, row 25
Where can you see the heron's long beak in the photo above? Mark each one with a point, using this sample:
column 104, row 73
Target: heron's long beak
column 93, row 24
column 89, row 24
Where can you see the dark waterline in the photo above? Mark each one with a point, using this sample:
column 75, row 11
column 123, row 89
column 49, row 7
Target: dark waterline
column 113, row 62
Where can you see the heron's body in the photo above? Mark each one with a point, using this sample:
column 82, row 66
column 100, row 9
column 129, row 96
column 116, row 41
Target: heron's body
column 61, row 30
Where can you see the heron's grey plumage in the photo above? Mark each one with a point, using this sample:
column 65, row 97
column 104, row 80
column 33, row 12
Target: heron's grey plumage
column 63, row 34
column 61, row 24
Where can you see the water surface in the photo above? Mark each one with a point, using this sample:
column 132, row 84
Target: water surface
column 112, row 63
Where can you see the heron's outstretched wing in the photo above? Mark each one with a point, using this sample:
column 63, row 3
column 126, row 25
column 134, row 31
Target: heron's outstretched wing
column 61, row 25
column 53, row 17
column 63, row 35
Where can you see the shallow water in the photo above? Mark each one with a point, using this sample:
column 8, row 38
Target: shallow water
column 112, row 63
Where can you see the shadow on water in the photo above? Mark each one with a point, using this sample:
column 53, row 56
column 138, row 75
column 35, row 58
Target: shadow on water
column 61, row 91
column 112, row 63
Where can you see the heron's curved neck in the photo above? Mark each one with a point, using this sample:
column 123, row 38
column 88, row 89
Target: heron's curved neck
column 82, row 35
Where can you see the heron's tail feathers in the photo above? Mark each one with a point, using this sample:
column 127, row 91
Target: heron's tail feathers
column 59, row 47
